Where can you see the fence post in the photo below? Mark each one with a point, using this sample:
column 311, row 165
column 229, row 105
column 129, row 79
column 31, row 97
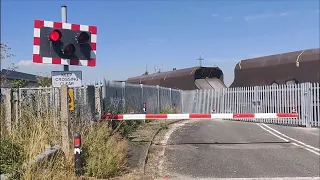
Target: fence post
column 90, row 102
column 181, row 100
column 65, row 126
column 8, row 109
column 170, row 92
column 142, row 99
column 15, row 101
column 104, row 94
column 98, row 101
column 123, row 98
column 309, row 108
column 158, row 97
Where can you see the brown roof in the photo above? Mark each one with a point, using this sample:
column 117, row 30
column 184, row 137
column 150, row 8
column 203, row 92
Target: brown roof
column 164, row 75
column 301, row 66
column 179, row 79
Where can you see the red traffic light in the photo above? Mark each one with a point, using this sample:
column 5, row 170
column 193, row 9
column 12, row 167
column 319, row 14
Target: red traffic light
column 69, row 49
column 83, row 38
column 55, row 35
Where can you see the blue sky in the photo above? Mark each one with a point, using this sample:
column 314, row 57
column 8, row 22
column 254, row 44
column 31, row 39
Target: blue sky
column 133, row 34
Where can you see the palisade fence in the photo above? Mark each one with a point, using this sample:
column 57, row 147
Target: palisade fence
column 92, row 99
column 301, row 98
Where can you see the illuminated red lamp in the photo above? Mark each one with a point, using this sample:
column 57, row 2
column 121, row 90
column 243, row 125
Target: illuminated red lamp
column 55, row 35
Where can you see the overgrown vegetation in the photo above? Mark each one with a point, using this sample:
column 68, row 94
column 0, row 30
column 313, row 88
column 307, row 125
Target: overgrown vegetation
column 104, row 150
column 124, row 128
column 11, row 155
column 168, row 110
column 104, row 154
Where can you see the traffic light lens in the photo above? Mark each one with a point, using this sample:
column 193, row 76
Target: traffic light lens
column 83, row 38
column 69, row 49
column 55, row 35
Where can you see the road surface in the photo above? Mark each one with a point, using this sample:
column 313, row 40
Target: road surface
column 213, row 149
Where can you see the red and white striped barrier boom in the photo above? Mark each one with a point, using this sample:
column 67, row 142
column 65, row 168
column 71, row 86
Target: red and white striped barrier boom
column 204, row 116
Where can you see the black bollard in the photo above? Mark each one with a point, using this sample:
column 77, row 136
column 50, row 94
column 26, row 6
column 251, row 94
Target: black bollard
column 77, row 154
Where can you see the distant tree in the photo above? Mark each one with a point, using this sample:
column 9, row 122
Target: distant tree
column 6, row 56
column 19, row 83
column 44, row 80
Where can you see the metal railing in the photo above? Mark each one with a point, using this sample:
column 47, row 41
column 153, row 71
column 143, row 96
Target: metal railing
column 301, row 98
column 132, row 97
column 122, row 97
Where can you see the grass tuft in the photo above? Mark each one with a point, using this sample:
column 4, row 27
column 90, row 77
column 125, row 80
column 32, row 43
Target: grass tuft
column 104, row 152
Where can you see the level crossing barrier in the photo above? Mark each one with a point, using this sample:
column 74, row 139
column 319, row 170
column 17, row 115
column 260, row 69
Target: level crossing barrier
column 202, row 116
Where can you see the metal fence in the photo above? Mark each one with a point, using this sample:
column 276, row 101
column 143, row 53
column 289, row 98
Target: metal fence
column 113, row 96
column 123, row 97
column 303, row 98
column 45, row 101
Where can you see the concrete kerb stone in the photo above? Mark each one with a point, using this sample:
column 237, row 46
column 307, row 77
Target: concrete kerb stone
column 152, row 139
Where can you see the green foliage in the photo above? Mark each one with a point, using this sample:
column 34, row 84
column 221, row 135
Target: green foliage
column 44, row 81
column 124, row 127
column 6, row 56
column 11, row 156
column 164, row 126
column 104, row 155
column 19, row 83
column 168, row 110
column 5, row 52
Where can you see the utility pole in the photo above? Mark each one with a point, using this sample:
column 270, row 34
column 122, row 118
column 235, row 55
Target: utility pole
column 200, row 61
column 64, row 20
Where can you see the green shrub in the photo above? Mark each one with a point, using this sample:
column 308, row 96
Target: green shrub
column 104, row 155
column 11, row 156
column 168, row 110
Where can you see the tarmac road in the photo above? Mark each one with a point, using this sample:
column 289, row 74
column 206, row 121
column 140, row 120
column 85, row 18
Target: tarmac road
column 212, row 149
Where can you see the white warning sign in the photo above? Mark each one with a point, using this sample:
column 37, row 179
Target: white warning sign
column 70, row 78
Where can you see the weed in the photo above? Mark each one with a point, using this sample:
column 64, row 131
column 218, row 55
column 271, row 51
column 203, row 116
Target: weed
column 11, row 156
column 168, row 110
column 164, row 126
column 104, row 153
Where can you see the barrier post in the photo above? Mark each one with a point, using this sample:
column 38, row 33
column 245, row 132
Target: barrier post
column 77, row 154
column 144, row 108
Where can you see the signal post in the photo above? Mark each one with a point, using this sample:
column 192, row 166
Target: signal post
column 66, row 44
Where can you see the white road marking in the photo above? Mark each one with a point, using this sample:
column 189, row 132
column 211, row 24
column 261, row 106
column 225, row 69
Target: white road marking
column 165, row 141
column 273, row 133
column 278, row 135
column 302, row 143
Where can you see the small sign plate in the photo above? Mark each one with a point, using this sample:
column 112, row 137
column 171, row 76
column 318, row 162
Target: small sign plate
column 70, row 78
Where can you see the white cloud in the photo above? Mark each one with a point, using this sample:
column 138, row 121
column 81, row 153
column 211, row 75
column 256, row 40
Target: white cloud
column 88, row 73
column 26, row 63
column 214, row 15
column 153, row 41
column 284, row 14
column 228, row 18
column 266, row 15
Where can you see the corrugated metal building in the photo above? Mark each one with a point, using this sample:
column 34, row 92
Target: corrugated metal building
column 183, row 79
column 293, row 67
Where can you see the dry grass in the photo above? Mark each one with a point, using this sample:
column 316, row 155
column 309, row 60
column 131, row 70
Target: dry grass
column 105, row 155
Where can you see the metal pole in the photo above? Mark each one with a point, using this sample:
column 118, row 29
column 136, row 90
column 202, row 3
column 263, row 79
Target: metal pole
column 64, row 20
